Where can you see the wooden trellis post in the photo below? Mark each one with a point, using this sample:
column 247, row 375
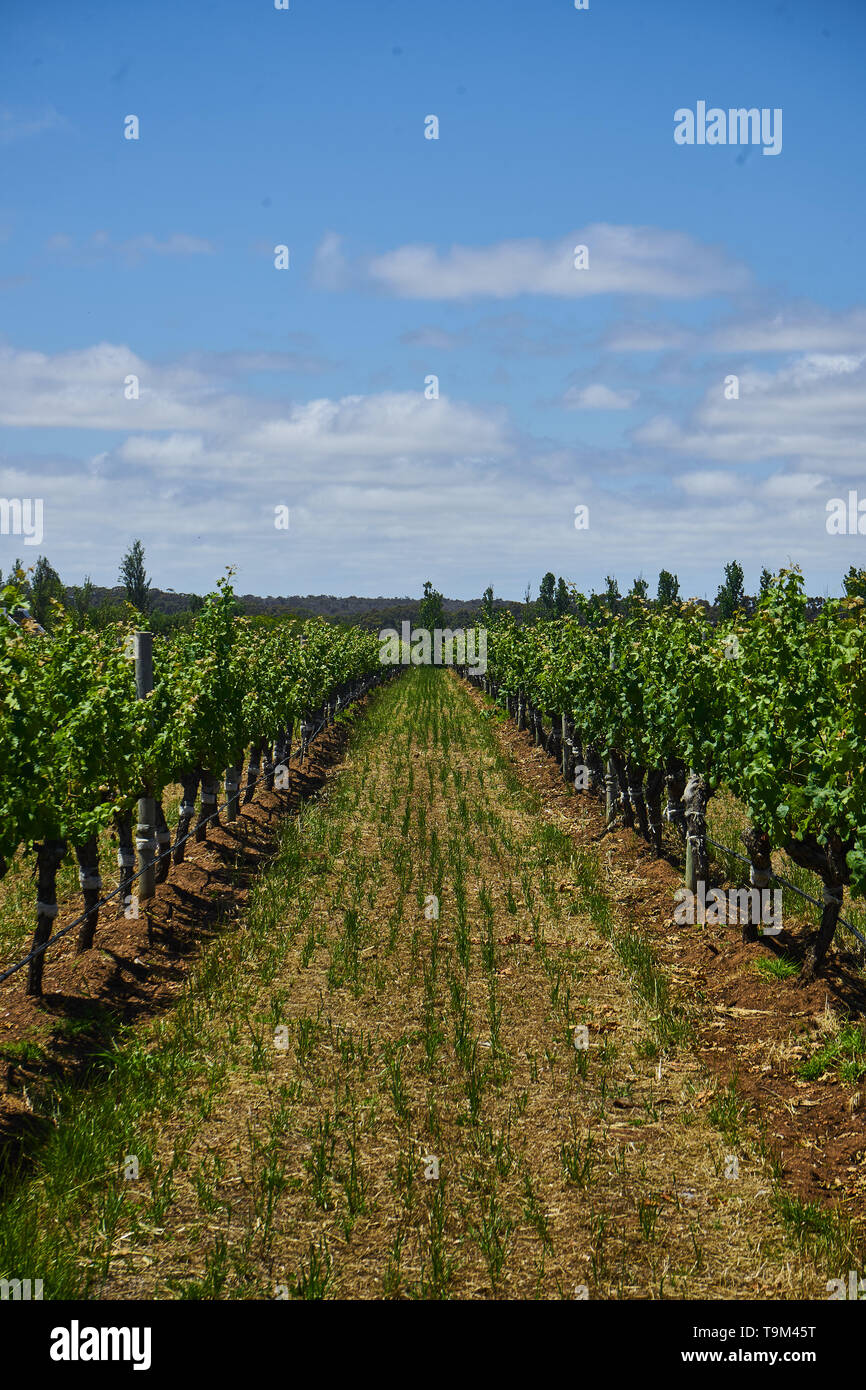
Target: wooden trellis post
column 145, row 830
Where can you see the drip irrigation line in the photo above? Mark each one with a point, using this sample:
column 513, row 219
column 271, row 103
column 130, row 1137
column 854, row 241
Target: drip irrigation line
column 732, row 854
column 122, row 888
column 39, row 950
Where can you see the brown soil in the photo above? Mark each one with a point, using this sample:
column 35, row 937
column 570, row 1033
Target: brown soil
column 137, row 967
column 754, row 1029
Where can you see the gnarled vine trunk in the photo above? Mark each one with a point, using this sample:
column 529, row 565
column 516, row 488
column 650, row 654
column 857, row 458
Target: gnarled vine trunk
column 48, row 860
column 695, row 797
column 675, row 782
column 163, row 844
column 91, row 887
column 625, row 805
column 207, row 811
column 125, row 859
column 254, row 767
column 654, row 783
column 232, row 785
column 829, row 862
column 757, row 843
column 189, row 785
column 634, row 777
column 554, row 738
column 567, row 749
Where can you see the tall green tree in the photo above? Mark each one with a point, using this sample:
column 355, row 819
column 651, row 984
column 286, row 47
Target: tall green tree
column 765, row 581
column 668, row 590
column 82, row 601
column 134, row 579
column 45, row 585
column 547, row 596
column 430, row 612
column 636, row 595
column 487, row 604
column 855, row 583
column 563, row 598
column 731, row 595
column 611, row 595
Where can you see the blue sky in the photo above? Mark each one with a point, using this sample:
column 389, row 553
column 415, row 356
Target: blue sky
column 411, row 257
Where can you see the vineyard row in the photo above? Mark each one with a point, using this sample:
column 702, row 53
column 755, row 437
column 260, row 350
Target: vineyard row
column 658, row 701
column 85, row 740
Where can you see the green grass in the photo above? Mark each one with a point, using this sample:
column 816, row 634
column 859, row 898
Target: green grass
column 728, row 1110
column 844, row 1055
column 777, row 967
column 822, row 1231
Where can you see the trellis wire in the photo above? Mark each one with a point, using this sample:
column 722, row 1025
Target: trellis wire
column 732, row 854
column 166, row 853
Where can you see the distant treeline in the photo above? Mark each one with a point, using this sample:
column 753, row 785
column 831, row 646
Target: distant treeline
column 166, row 610
column 370, row 613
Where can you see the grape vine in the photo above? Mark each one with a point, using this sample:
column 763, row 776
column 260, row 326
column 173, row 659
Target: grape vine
column 772, row 706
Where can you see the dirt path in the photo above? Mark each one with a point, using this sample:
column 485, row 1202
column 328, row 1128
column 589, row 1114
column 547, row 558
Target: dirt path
column 350, row 1045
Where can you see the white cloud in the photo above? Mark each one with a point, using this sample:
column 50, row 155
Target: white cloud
column 19, row 125
column 178, row 244
column 794, row 487
column 813, row 408
column 598, row 397
column 647, row 337
column 85, row 389
column 622, row 260
column 814, row 330
column 509, row 333
column 710, row 484
column 430, row 337
column 384, row 425
column 100, row 246
column 388, row 489
column 805, row 330
column 361, row 526
column 330, row 269
column 174, row 450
